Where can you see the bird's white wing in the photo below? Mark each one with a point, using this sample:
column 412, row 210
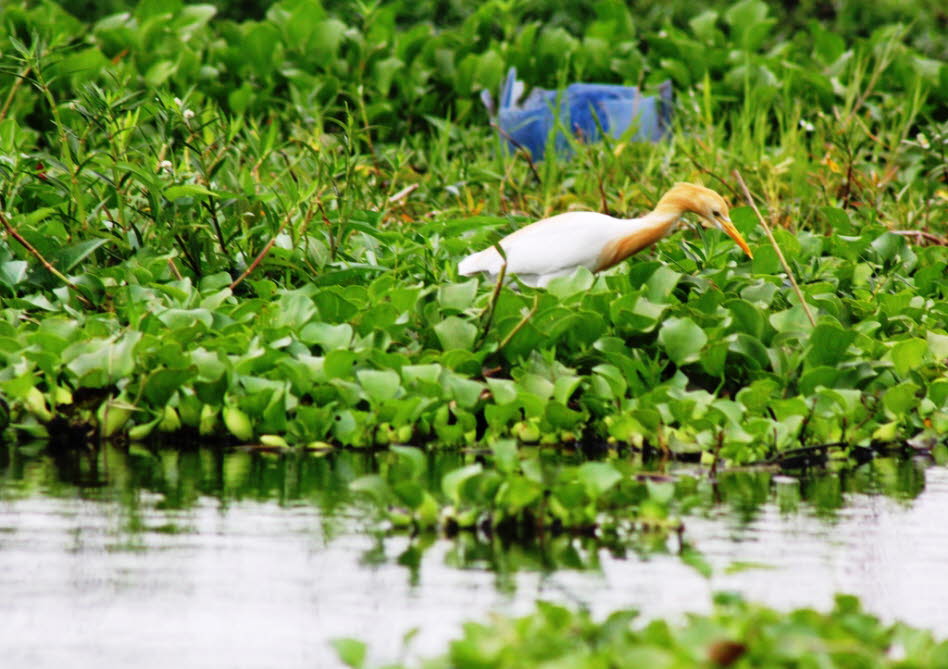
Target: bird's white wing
column 550, row 246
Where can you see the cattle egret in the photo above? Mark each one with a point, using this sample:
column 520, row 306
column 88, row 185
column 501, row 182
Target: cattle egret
column 556, row 246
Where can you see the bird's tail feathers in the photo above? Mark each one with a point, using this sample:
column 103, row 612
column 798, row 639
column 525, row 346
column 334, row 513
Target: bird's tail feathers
column 487, row 260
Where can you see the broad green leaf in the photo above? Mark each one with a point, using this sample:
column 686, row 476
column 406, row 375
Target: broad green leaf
column 465, row 392
column 13, row 272
column 506, row 457
column 379, row 385
column 682, row 339
column 579, row 281
column 598, row 477
column 455, row 333
column 828, row 344
column 661, row 284
column 351, row 652
column 452, row 481
column 901, row 399
column 793, row 319
column 503, row 390
column 458, row 296
column 908, row 355
column 428, row 373
column 162, row 384
column 412, row 459
column 75, row 254
column 938, row 345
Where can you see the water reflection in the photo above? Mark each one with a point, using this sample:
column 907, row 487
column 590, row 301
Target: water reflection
column 209, row 557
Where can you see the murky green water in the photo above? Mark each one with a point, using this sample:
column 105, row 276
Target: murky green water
column 201, row 558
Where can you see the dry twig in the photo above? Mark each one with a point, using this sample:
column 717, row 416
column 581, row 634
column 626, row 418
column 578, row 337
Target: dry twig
column 43, row 261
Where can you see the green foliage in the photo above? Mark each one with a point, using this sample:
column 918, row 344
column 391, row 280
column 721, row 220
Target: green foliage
column 249, row 229
column 520, row 495
column 735, row 633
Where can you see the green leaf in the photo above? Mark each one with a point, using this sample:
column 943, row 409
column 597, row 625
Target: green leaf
column 598, row 477
column 455, row 333
column 411, row 460
column 75, row 254
column 452, row 481
column 13, row 272
column 159, row 73
column 379, row 385
column 351, row 652
column 682, row 339
column 428, row 373
column 457, row 296
column 339, row 364
column 661, row 284
column 506, row 457
column 828, row 344
column 503, row 390
column 908, row 355
column 465, row 392
column 938, row 345
column 899, row 400
column 187, row 190
column 579, row 281
column 162, row 384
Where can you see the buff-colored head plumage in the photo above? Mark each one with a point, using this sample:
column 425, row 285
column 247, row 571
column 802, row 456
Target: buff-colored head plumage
column 711, row 207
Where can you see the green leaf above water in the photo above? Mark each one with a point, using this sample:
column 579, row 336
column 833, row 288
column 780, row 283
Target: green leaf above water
column 682, row 339
column 455, row 333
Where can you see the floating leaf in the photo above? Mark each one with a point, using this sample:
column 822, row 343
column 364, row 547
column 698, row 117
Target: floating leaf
column 598, row 477
column 682, row 339
column 455, row 333
column 828, row 344
column 351, row 652
column 908, row 355
column 379, row 385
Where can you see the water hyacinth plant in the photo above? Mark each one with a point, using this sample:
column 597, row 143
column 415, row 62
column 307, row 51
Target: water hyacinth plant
column 249, row 228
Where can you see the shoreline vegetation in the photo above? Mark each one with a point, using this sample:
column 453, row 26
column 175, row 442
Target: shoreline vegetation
column 241, row 223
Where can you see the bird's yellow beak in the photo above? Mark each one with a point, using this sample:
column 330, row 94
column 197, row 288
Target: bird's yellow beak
column 725, row 223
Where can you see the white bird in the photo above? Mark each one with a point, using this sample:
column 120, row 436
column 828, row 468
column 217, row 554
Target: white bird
column 556, row 246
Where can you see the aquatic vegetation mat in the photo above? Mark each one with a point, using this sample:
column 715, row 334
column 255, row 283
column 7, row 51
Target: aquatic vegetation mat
column 229, row 228
column 734, row 634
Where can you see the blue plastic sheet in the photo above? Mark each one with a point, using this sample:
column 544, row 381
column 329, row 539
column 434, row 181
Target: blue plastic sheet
column 528, row 123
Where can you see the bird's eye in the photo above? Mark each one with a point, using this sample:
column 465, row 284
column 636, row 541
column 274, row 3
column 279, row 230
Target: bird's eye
column 716, row 213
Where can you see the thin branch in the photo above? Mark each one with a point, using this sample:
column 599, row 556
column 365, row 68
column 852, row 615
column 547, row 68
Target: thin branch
column 39, row 256
column 773, row 242
column 266, row 249
column 174, row 269
column 709, row 172
column 523, row 322
column 921, row 234
column 20, row 78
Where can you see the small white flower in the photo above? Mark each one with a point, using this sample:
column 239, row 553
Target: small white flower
column 806, row 125
column 188, row 114
column 165, row 166
column 178, row 102
column 922, row 140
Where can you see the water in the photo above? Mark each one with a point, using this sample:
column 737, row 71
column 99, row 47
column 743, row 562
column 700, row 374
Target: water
column 204, row 559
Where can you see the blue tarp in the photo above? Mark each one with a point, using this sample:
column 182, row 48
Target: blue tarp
column 528, row 123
